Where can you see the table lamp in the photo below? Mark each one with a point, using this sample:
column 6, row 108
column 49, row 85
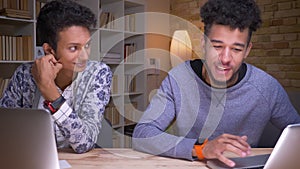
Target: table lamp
column 181, row 47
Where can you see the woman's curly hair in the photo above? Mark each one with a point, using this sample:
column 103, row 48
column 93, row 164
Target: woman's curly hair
column 58, row 15
column 239, row 14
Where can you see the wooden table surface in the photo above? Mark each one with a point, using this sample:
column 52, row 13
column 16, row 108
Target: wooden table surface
column 129, row 159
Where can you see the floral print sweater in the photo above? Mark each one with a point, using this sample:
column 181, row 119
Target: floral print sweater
column 78, row 121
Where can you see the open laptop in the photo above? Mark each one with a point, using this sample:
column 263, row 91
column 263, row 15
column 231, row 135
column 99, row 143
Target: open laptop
column 27, row 139
column 285, row 154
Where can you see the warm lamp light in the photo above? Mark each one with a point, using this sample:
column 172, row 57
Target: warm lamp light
column 181, row 47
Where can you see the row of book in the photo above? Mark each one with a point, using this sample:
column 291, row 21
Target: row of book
column 114, row 84
column 15, row 8
column 3, row 85
column 16, row 48
column 115, row 58
column 113, row 115
column 112, row 58
column 129, row 83
column 14, row 4
column 108, row 20
column 130, row 22
column 130, row 52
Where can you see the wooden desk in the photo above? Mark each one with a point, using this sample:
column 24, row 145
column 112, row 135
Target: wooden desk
column 130, row 159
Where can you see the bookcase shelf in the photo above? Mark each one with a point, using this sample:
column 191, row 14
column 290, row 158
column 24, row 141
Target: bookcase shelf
column 120, row 44
column 17, row 35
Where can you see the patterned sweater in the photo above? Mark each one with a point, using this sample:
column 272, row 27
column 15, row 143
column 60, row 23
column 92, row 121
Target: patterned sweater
column 177, row 115
column 78, row 121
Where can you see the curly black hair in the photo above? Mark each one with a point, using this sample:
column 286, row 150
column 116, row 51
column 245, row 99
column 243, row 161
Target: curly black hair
column 58, row 15
column 239, row 14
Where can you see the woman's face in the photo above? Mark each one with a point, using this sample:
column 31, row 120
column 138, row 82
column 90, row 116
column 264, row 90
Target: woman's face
column 73, row 48
column 226, row 50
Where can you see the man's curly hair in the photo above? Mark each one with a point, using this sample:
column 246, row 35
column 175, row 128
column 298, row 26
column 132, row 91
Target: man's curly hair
column 239, row 14
column 58, row 15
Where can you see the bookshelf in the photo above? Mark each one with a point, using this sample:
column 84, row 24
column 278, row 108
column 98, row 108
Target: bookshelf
column 17, row 35
column 118, row 40
column 127, row 39
column 17, row 30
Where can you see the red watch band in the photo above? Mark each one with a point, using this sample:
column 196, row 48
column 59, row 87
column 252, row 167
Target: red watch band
column 49, row 106
column 55, row 105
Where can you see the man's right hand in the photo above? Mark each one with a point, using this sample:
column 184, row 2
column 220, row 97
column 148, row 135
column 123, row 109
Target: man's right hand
column 44, row 70
column 226, row 142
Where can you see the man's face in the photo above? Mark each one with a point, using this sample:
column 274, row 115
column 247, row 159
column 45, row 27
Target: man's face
column 73, row 48
column 226, row 49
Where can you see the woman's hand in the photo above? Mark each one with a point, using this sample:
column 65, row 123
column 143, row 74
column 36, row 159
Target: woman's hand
column 226, row 142
column 44, row 71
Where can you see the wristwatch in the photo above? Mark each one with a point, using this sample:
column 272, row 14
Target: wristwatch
column 55, row 105
column 199, row 145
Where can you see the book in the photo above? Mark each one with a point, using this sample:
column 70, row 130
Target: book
column 14, row 48
column 114, row 84
column 130, row 22
column 16, row 13
column 19, row 48
column 1, row 47
column 3, row 85
column 112, row 55
column 27, row 47
column 107, row 20
column 129, row 52
column 130, row 83
column 111, row 60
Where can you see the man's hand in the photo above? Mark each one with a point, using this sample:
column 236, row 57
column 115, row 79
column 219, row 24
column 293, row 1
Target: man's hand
column 226, row 142
column 44, row 71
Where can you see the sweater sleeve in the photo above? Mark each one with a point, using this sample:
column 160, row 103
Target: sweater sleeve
column 283, row 112
column 20, row 89
column 151, row 136
column 80, row 125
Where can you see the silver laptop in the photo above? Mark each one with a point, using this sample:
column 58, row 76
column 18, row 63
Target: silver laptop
column 285, row 154
column 27, row 140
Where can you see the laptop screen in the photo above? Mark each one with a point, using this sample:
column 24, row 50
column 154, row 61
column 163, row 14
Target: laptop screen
column 27, row 139
column 285, row 154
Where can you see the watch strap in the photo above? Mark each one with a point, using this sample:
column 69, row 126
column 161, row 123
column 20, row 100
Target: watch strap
column 199, row 150
column 55, row 105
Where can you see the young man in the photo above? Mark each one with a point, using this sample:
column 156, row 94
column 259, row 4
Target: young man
column 74, row 90
column 220, row 103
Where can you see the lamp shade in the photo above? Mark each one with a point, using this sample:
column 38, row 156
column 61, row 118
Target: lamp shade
column 181, row 47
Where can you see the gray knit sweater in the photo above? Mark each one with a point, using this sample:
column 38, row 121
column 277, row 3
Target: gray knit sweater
column 177, row 113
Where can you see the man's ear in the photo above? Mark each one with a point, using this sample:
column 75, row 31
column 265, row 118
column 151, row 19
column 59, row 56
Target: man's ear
column 204, row 44
column 48, row 49
column 249, row 47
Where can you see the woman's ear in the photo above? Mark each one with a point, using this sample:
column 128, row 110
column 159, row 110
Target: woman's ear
column 249, row 47
column 48, row 49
